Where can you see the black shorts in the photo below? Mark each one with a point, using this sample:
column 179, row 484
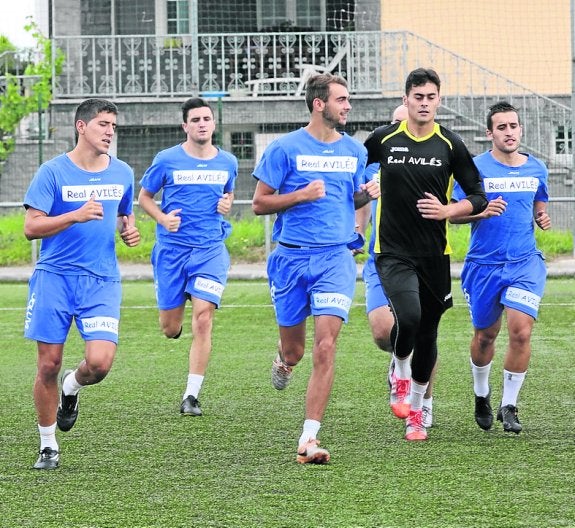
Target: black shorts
column 429, row 276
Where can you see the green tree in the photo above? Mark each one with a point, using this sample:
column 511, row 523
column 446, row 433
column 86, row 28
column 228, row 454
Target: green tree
column 16, row 101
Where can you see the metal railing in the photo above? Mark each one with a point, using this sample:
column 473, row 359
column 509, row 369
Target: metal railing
column 374, row 62
column 178, row 65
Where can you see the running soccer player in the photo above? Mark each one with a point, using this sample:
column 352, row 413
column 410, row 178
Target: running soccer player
column 74, row 204
column 312, row 179
column 379, row 314
column 503, row 269
column 190, row 259
column 418, row 160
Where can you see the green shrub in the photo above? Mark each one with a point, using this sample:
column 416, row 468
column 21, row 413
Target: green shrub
column 246, row 243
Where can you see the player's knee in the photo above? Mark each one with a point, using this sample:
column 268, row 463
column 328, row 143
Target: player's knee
column 409, row 320
column 485, row 340
column 171, row 330
column 520, row 337
column 49, row 368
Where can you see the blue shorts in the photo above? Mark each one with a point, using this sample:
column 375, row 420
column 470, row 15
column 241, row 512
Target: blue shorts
column 488, row 288
column 54, row 300
column 316, row 281
column 181, row 273
column 374, row 295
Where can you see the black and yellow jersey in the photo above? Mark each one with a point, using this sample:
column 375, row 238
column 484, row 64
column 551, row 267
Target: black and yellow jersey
column 411, row 166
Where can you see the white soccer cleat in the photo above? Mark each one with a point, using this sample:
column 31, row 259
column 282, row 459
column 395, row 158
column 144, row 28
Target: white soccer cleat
column 281, row 373
column 311, row 453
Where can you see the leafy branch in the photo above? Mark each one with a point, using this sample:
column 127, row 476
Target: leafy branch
column 16, row 102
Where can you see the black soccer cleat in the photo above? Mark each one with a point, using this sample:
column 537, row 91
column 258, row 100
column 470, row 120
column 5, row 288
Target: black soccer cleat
column 191, row 407
column 483, row 412
column 68, row 407
column 508, row 416
column 48, row 459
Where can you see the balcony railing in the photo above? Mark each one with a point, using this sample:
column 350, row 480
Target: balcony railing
column 179, row 65
column 263, row 64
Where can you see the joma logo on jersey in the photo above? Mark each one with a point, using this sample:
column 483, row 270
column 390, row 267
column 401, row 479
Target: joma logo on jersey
column 399, row 149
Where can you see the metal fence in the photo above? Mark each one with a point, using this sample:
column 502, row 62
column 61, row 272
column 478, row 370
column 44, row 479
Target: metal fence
column 561, row 210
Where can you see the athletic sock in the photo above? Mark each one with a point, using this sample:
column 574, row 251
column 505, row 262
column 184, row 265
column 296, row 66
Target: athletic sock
column 480, row 378
column 512, row 382
column 48, row 437
column 310, row 430
column 71, row 387
column 402, row 367
column 416, row 395
column 194, row 385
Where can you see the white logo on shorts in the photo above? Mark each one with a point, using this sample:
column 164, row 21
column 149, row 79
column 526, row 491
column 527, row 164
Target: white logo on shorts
column 100, row 324
column 524, row 297
column 209, row 286
column 29, row 309
column 332, row 300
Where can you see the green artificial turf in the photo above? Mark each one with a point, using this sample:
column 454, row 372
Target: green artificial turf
column 131, row 460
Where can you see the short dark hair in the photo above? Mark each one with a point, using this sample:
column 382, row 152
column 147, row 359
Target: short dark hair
column 497, row 108
column 317, row 87
column 90, row 108
column 421, row 76
column 191, row 103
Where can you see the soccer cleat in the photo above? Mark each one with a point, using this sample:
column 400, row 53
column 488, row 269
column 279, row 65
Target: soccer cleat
column 508, row 416
column 311, row 453
column 414, row 428
column 68, row 407
column 427, row 416
column 483, row 412
column 191, row 407
column 281, row 373
column 399, row 396
column 48, row 459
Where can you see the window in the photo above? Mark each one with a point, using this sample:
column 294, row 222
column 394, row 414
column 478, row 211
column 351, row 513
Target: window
column 563, row 140
column 96, row 17
column 178, row 17
column 243, row 145
column 300, row 14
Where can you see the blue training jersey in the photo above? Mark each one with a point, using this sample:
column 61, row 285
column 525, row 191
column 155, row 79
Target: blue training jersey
column 296, row 159
column 87, row 248
column 511, row 236
column 195, row 186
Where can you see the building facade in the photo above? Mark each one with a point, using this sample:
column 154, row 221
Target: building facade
column 252, row 57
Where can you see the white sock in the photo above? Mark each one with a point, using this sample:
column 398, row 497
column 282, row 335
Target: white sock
column 71, row 387
column 480, row 378
column 403, row 367
column 416, row 395
column 428, row 402
column 48, row 437
column 194, row 385
column 310, row 430
column 512, row 382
